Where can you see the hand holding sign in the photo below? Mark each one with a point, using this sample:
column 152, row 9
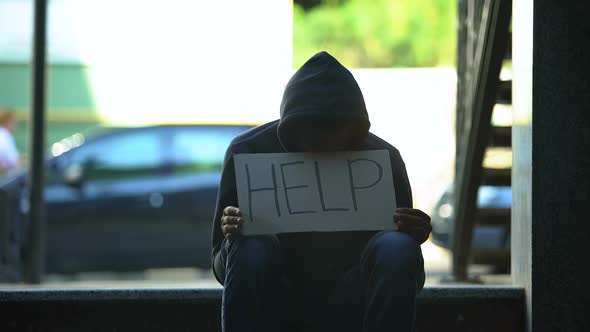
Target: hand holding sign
column 413, row 222
column 231, row 222
column 301, row 192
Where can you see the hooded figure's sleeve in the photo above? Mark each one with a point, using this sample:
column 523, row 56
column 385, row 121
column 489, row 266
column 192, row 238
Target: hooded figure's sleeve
column 403, row 190
column 226, row 196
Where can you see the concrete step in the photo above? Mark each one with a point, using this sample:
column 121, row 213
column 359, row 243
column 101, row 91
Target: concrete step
column 447, row 308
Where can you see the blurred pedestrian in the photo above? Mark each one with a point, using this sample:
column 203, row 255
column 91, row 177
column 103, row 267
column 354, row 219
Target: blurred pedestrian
column 9, row 156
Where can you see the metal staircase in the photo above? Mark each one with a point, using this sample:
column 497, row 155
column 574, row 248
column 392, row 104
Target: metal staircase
column 484, row 44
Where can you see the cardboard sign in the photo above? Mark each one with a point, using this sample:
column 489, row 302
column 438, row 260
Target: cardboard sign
column 307, row 192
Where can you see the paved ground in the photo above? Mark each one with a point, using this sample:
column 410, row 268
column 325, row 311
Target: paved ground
column 437, row 266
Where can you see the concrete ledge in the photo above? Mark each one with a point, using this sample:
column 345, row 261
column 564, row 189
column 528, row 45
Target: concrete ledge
column 447, row 308
column 472, row 292
column 111, row 294
column 214, row 294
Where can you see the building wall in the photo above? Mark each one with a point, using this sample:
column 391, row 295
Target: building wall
column 71, row 104
column 552, row 162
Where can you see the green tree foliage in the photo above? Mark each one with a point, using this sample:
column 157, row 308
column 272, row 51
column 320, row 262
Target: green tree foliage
column 377, row 33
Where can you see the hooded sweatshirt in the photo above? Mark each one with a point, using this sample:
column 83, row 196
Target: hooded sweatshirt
column 322, row 89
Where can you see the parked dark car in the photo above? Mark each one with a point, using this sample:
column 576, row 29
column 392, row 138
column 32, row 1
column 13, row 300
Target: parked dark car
column 132, row 198
column 491, row 234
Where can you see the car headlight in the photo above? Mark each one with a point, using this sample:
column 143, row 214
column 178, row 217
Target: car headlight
column 445, row 210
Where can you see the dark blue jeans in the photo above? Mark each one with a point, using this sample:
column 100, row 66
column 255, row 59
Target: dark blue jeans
column 376, row 294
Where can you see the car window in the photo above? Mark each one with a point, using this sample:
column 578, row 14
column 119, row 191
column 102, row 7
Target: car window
column 201, row 149
column 133, row 153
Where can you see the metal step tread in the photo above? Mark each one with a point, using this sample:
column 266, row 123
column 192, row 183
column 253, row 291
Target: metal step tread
column 492, row 216
column 500, row 136
column 497, row 176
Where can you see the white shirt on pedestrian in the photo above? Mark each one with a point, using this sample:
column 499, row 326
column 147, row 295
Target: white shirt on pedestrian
column 8, row 150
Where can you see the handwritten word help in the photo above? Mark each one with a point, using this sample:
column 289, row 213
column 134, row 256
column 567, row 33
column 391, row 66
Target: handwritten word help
column 303, row 192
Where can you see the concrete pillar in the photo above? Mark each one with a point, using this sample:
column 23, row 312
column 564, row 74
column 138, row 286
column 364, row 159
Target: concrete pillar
column 551, row 165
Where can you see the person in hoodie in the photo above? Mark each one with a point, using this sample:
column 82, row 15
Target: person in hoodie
column 324, row 281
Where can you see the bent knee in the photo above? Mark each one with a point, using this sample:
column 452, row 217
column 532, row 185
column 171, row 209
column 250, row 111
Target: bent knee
column 394, row 250
column 254, row 253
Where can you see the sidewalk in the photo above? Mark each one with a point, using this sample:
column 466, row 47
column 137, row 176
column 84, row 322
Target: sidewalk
column 436, row 264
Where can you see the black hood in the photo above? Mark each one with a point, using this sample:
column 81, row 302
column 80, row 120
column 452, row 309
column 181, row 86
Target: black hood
column 324, row 89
